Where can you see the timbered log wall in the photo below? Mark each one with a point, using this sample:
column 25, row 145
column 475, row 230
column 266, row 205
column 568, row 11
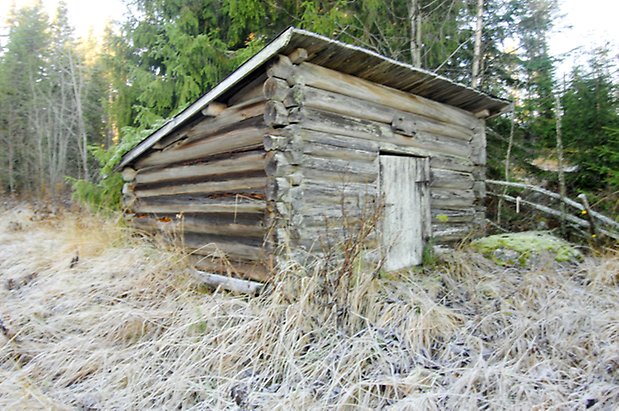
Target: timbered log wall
column 329, row 130
column 290, row 164
column 204, row 186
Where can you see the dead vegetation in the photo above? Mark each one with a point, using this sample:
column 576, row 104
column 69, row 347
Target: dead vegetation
column 122, row 327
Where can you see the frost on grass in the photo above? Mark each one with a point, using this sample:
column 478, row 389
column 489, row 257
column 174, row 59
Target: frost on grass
column 125, row 329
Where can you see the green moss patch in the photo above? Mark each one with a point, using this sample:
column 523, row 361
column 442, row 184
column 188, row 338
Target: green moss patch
column 521, row 248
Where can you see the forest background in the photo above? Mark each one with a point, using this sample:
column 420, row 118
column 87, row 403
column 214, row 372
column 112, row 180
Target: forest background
column 70, row 107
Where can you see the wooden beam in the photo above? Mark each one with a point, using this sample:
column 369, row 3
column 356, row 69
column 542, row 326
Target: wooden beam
column 331, row 80
column 214, row 109
column 298, row 56
column 128, row 174
column 228, row 283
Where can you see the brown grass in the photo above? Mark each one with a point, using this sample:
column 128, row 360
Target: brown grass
column 125, row 328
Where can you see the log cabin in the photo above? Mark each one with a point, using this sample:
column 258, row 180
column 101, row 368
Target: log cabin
column 301, row 140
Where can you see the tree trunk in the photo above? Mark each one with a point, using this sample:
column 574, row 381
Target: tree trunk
column 414, row 16
column 560, row 158
column 476, row 71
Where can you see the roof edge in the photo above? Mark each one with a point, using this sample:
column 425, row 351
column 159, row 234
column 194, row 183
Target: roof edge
column 268, row 52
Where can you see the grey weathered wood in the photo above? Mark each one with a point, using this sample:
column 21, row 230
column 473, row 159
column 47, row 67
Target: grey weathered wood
column 214, row 109
column 236, row 285
column 192, row 224
column 278, row 164
column 223, row 249
column 405, row 125
column 232, row 116
column 235, row 140
column 452, row 232
column 452, row 163
column 462, row 215
column 478, row 146
column 331, row 80
column 249, row 91
column 280, row 67
column 275, row 89
column 311, row 97
column 482, row 113
column 275, row 114
column 128, row 174
column 243, row 163
column 229, row 185
column 570, row 218
column 252, row 270
column 277, row 143
column 128, row 188
column 229, row 206
column 170, row 139
column 364, row 129
column 129, row 200
column 349, row 171
column 298, row 56
column 406, row 221
column 451, row 198
column 556, row 196
column 451, row 179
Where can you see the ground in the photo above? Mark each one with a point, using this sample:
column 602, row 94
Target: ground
column 95, row 316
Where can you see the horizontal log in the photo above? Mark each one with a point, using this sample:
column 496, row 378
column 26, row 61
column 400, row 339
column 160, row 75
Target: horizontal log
column 253, row 270
column 451, row 179
column 339, row 153
column 241, row 139
column 199, row 245
column 555, row 213
column 452, row 163
column 369, row 110
column 204, row 205
column 239, row 163
column 170, row 139
column 334, row 140
column 325, row 122
column 440, row 160
column 236, row 285
column 313, row 187
column 331, row 80
column 228, row 118
column 249, row 91
column 465, row 215
column 192, row 224
column 443, row 232
column 602, row 218
column 237, row 184
column 344, row 171
column 451, row 198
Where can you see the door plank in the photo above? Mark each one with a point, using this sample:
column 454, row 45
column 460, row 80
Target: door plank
column 407, row 221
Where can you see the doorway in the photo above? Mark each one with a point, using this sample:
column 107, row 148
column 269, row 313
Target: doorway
column 406, row 225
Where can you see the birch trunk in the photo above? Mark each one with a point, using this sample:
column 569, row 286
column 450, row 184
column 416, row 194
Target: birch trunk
column 476, row 71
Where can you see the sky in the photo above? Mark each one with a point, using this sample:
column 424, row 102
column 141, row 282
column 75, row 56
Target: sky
column 586, row 24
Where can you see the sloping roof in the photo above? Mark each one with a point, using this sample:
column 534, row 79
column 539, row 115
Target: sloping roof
column 342, row 57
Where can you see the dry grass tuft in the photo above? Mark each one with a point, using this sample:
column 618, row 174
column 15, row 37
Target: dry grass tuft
column 121, row 330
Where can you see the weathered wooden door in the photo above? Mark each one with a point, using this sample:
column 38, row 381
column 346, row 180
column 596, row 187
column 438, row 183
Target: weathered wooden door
column 406, row 222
